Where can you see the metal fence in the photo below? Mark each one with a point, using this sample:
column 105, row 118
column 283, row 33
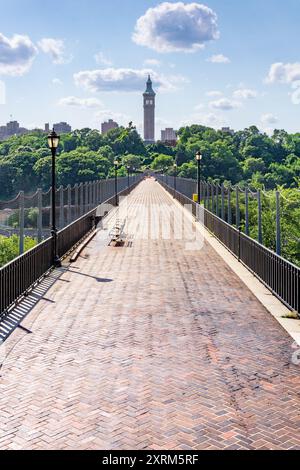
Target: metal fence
column 245, row 207
column 21, row 274
column 30, row 215
column 277, row 274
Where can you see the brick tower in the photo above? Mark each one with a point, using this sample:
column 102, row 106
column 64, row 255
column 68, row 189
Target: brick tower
column 149, row 113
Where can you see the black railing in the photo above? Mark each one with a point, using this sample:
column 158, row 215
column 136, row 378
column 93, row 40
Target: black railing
column 24, row 272
column 280, row 276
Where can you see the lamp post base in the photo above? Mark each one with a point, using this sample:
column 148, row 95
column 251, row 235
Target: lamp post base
column 57, row 262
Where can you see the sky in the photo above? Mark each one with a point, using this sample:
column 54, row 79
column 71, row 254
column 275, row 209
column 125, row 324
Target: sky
column 218, row 63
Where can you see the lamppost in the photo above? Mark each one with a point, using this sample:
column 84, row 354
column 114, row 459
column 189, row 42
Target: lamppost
column 53, row 142
column 199, row 158
column 128, row 175
column 175, row 176
column 116, row 164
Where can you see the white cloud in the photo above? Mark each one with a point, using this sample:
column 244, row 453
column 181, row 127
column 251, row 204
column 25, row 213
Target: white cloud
column 295, row 95
column 224, row 104
column 171, row 27
column 207, row 119
column 152, row 62
column 199, row 107
column 125, row 80
column 219, row 59
column 245, row 94
column 57, row 81
column 80, row 102
column 268, row 118
column 101, row 59
column 56, row 49
column 214, row 93
column 105, row 114
column 16, row 54
column 284, row 73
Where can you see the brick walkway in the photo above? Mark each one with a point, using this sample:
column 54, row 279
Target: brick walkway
column 149, row 346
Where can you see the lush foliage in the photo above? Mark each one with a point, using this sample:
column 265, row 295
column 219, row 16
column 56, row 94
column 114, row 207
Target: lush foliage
column 9, row 247
column 244, row 156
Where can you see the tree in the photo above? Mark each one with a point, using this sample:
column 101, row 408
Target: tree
column 162, row 161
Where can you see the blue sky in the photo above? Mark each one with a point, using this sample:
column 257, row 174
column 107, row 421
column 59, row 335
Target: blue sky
column 228, row 63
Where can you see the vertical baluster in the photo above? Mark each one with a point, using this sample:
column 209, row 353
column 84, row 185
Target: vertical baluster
column 222, row 202
column 278, row 224
column 21, row 222
column 259, row 217
column 61, row 207
column 76, row 211
column 229, row 215
column 81, row 191
column 237, row 207
column 69, row 204
column 40, row 216
column 247, row 211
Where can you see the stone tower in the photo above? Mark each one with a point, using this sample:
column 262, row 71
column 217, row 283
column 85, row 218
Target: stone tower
column 149, row 113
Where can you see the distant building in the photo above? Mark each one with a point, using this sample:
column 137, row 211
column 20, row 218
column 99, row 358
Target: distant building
column 107, row 126
column 47, row 128
column 149, row 113
column 11, row 128
column 168, row 136
column 227, row 130
column 62, row 128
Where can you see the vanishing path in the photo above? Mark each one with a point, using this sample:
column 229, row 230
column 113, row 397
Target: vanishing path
column 149, row 345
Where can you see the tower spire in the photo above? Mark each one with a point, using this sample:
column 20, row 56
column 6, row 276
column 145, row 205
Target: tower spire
column 149, row 89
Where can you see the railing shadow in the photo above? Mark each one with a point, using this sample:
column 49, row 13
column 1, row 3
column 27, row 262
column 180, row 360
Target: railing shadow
column 12, row 319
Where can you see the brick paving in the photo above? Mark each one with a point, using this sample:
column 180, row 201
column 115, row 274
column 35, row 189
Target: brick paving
column 149, row 346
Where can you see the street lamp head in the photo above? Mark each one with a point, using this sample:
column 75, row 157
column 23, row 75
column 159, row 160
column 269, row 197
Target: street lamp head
column 53, row 140
column 116, row 163
column 198, row 156
column 175, row 165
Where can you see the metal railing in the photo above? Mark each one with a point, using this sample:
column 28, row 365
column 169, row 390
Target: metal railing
column 70, row 204
column 280, row 276
column 24, row 272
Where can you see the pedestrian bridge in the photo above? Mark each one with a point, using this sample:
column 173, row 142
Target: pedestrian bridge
column 165, row 341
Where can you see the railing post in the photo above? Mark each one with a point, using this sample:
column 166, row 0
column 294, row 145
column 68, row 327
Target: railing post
column 217, row 200
column 222, row 202
column 40, row 215
column 76, row 202
column 94, row 194
column 61, row 207
column 278, row 224
column 247, row 211
column 259, row 217
column 21, row 222
column 101, row 194
column 229, row 216
column 237, row 207
column 90, row 205
column 212, row 197
column 81, row 197
column 69, row 204
column 86, row 203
